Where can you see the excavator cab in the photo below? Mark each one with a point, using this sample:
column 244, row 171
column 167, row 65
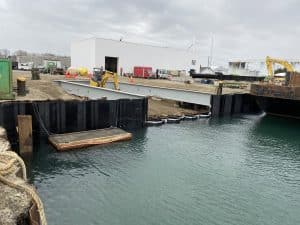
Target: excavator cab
column 96, row 78
column 100, row 78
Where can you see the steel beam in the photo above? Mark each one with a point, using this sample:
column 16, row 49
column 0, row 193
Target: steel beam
column 83, row 89
column 194, row 97
column 180, row 95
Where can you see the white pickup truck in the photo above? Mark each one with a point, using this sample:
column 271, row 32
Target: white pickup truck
column 162, row 74
column 25, row 66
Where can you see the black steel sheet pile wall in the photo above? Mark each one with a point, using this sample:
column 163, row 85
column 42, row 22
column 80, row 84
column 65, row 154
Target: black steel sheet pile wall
column 226, row 105
column 75, row 115
column 130, row 112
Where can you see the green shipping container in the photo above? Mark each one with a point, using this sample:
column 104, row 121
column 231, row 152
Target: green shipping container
column 6, row 80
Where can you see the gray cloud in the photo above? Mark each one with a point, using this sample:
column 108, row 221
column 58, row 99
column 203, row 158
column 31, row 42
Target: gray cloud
column 241, row 29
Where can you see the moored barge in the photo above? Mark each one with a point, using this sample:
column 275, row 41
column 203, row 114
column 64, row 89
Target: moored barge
column 279, row 99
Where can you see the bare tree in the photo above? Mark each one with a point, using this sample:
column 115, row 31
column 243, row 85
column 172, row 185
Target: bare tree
column 4, row 53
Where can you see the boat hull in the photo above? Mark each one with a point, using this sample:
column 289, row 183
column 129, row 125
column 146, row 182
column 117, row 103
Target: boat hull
column 279, row 106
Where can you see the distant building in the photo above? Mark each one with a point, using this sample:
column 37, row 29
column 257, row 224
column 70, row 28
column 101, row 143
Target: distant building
column 120, row 56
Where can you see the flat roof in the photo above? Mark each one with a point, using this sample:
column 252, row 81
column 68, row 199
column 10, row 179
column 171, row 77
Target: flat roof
column 134, row 43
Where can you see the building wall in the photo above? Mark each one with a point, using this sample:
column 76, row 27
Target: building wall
column 130, row 55
column 83, row 53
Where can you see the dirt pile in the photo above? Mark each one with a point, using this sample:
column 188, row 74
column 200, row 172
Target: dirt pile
column 162, row 108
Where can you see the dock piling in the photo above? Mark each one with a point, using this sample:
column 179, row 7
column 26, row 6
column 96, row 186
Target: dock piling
column 25, row 133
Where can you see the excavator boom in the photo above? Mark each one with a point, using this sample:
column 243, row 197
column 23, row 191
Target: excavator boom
column 270, row 61
column 106, row 76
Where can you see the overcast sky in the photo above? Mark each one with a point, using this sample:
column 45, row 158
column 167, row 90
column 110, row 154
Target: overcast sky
column 241, row 29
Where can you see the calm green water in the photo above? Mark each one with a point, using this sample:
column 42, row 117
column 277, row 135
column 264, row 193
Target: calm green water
column 243, row 171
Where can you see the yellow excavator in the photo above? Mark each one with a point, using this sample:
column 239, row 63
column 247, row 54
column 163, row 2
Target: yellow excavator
column 100, row 78
column 270, row 61
column 271, row 76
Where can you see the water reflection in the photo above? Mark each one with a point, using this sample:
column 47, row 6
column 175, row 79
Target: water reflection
column 47, row 162
column 280, row 133
column 240, row 170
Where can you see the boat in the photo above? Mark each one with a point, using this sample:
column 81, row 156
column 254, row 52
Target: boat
column 279, row 99
column 280, row 107
column 237, row 71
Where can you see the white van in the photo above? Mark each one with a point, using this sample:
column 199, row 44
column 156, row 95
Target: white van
column 25, row 66
column 162, row 74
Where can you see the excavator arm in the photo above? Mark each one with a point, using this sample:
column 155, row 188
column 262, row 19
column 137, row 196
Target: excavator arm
column 108, row 75
column 270, row 61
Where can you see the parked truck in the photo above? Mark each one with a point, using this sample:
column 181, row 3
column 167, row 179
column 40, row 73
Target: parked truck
column 53, row 67
column 25, row 66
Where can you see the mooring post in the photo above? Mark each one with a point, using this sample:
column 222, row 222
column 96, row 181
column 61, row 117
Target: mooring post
column 25, row 133
column 220, row 88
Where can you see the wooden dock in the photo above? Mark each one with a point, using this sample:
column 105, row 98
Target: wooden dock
column 69, row 141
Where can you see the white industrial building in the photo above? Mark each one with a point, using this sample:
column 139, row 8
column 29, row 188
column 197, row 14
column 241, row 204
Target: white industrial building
column 123, row 56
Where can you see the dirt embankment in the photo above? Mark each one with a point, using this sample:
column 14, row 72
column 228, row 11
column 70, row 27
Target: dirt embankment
column 162, row 108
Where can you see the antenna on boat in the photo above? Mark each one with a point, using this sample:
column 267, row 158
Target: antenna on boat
column 210, row 61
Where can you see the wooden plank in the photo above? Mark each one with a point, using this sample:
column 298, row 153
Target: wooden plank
column 25, row 133
column 83, row 139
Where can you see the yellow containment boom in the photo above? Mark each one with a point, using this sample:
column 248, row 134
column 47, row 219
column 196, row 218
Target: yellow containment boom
column 100, row 78
column 270, row 61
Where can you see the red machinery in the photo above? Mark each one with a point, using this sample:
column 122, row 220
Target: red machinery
column 142, row 72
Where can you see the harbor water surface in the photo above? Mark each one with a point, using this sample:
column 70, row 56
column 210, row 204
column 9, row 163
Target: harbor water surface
column 243, row 170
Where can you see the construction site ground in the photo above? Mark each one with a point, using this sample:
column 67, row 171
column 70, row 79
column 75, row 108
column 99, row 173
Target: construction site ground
column 46, row 89
column 43, row 89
